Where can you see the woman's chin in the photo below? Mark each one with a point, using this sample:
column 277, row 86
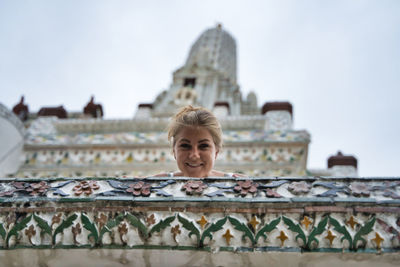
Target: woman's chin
column 195, row 174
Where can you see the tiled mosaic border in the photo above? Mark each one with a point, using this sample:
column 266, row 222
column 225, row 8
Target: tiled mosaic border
column 235, row 222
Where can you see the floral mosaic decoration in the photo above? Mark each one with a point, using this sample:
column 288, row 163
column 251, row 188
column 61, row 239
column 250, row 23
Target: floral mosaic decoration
column 301, row 187
column 327, row 227
column 86, row 187
column 194, row 187
column 244, row 188
column 139, row 189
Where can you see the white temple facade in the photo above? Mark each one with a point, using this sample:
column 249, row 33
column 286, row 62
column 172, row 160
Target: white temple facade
column 258, row 140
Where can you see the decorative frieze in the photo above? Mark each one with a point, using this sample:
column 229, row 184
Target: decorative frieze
column 309, row 214
column 159, row 138
column 83, row 157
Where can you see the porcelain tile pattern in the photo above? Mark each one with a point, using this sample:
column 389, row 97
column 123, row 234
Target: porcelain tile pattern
column 306, row 214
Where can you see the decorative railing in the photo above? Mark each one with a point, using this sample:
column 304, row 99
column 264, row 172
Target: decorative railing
column 314, row 214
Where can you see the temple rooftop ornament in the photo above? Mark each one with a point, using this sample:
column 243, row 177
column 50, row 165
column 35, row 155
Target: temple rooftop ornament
column 21, row 110
column 93, row 110
column 58, row 112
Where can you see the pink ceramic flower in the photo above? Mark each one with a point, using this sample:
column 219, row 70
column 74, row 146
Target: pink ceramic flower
column 194, row 187
column 299, row 187
column 359, row 189
column 86, row 187
column 244, row 187
column 139, row 189
column 38, row 188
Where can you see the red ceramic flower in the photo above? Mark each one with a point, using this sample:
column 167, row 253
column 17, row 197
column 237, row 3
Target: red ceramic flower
column 271, row 193
column 86, row 187
column 244, row 187
column 37, row 188
column 194, row 187
column 139, row 189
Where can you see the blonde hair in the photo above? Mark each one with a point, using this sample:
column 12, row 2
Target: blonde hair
column 190, row 116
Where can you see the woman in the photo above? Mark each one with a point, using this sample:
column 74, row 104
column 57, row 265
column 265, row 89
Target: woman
column 196, row 138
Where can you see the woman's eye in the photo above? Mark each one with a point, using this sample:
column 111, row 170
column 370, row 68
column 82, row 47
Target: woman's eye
column 204, row 146
column 185, row 146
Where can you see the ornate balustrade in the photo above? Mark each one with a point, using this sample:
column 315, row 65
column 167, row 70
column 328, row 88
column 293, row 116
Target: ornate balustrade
column 262, row 215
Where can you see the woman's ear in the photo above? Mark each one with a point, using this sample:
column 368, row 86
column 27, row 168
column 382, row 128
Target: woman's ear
column 216, row 153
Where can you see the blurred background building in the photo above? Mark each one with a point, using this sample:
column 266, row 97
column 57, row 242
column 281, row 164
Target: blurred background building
column 259, row 140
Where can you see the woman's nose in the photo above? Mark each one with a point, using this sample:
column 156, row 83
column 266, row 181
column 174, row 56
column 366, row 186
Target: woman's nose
column 194, row 153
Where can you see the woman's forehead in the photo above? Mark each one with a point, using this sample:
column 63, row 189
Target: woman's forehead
column 190, row 133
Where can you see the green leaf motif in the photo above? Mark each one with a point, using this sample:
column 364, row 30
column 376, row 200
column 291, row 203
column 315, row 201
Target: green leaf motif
column 43, row 225
column 162, row 224
column 111, row 224
column 91, row 227
column 317, row 231
column 364, row 230
column 190, row 227
column 295, row 228
column 134, row 221
column 341, row 229
column 242, row 228
column 267, row 228
column 65, row 224
column 18, row 227
column 213, row 228
column 3, row 232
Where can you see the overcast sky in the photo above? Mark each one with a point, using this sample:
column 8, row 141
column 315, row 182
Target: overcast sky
column 337, row 62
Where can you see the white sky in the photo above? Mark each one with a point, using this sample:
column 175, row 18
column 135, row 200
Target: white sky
column 337, row 62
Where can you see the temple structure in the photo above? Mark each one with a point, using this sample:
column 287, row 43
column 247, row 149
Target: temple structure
column 258, row 140
column 71, row 180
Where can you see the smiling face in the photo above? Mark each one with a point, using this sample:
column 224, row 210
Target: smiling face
column 195, row 151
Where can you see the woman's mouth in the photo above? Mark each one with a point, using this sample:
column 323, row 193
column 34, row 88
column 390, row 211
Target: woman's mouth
column 193, row 165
